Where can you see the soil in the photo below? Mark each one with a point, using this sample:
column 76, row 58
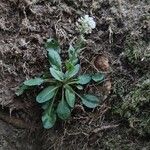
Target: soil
column 25, row 25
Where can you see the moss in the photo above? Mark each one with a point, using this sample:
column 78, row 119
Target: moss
column 137, row 50
column 135, row 107
column 119, row 139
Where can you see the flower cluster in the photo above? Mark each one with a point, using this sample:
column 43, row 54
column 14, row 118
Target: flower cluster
column 86, row 24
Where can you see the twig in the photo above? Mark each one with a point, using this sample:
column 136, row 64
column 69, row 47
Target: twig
column 104, row 128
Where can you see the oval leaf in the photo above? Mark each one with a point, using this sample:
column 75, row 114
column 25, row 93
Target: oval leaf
column 90, row 101
column 73, row 57
column 58, row 75
column 46, row 94
column 69, row 65
column 98, row 77
column 71, row 51
column 48, row 120
column 63, row 110
column 79, row 87
column 84, row 79
column 70, row 97
column 54, row 59
column 21, row 89
column 52, row 44
column 33, row 82
column 73, row 72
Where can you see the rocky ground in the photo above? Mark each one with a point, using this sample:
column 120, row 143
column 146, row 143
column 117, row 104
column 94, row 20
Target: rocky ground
column 121, row 36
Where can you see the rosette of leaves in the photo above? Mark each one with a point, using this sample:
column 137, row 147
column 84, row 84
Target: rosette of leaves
column 59, row 96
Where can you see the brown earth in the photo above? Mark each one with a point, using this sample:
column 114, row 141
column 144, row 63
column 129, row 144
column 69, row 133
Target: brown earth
column 24, row 27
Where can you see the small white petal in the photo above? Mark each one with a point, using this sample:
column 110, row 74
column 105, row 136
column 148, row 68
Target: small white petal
column 86, row 24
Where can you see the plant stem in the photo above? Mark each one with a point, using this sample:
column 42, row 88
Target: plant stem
column 63, row 93
column 74, row 92
column 49, row 80
column 51, row 104
column 73, row 82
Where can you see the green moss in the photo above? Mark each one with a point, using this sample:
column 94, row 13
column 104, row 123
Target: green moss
column 119, row 139
column 137, row 50
column 135, row 107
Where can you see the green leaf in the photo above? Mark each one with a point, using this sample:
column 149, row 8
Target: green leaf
column 58, row 75
column 80, row 43
column 73, row 57
column 45, row 105
column 71, row 51
column 74, row 60
column 54, row 59
column 70, row 97
column 73, row 72
column 84, row 79
column 48, row 120
column 21, row 89
column 52, row 44
column 79, row 87
column 46, row 94
column 90, row 101
column 33, row 82
column 69, row 65
column 63, row 110
column 98, row 77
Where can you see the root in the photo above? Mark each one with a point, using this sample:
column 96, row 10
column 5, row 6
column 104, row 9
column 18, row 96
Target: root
column 15, row 122
column 104, row 128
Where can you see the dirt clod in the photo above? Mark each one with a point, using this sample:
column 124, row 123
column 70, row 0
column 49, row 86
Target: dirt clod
column 101, row 63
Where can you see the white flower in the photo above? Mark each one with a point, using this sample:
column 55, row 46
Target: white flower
column 86, row 24
column 90, row 21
